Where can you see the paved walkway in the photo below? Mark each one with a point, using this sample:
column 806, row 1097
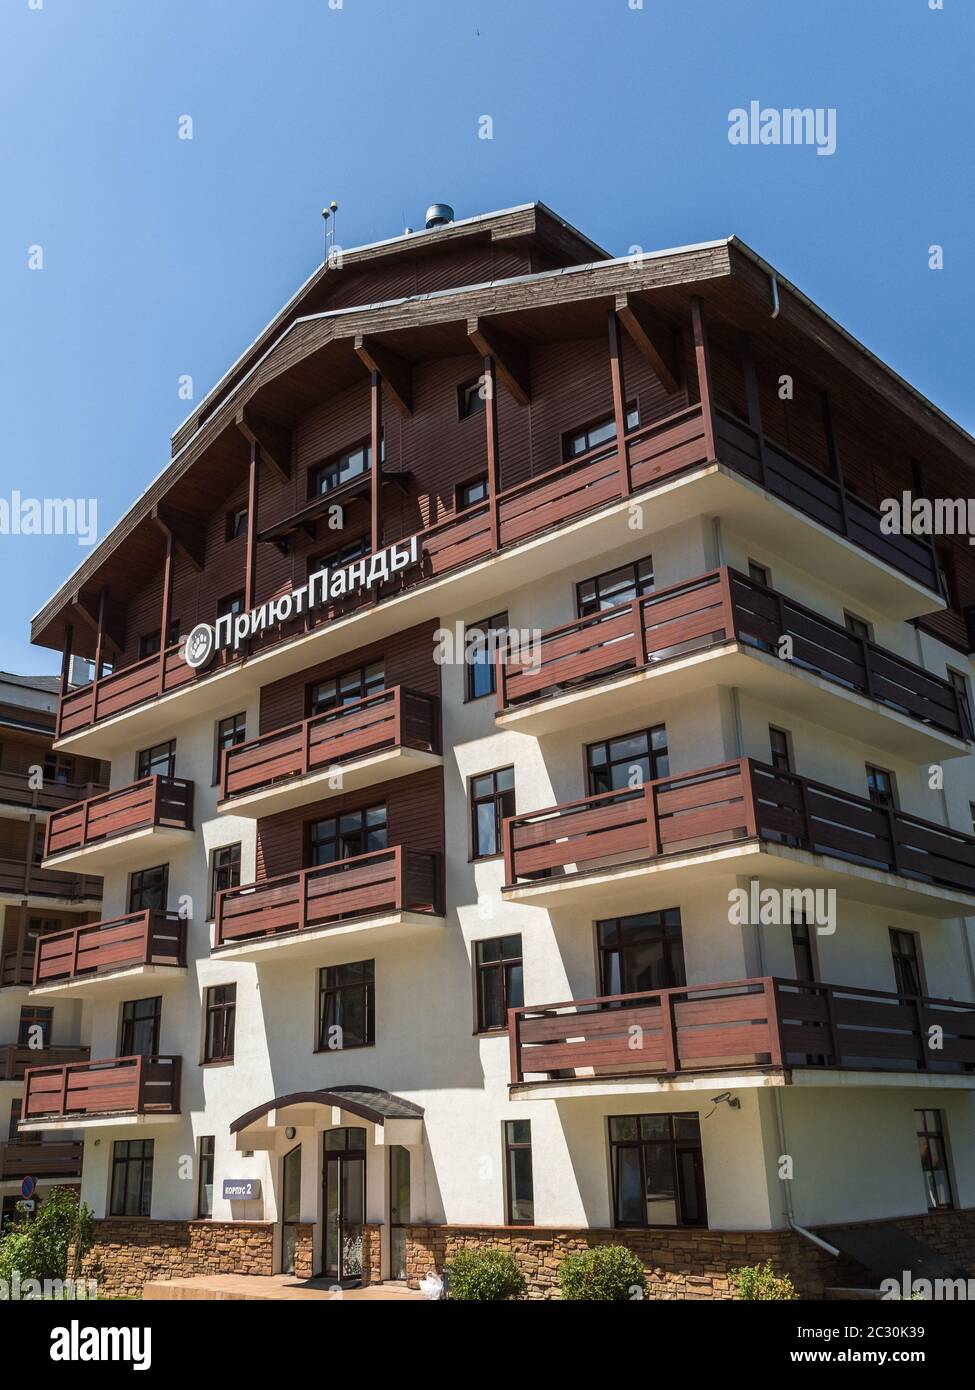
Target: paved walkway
column 277, row 1286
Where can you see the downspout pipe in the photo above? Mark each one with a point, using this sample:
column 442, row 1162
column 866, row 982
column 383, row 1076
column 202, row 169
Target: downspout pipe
column 775, row 294
column 816, row 1240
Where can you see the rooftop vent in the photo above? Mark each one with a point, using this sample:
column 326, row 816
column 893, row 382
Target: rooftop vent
column 439, row 214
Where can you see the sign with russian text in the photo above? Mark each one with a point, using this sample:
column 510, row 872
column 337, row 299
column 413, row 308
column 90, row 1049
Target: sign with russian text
column 241, row 1189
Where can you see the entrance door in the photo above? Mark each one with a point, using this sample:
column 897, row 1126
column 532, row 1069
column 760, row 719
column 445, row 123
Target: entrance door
column 399, row 1209
column 344, row 1197
column 290, row 1207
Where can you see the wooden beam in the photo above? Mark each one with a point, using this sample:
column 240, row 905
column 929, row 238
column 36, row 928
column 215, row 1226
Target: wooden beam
column 274, row 442
column 396, row 371
column 619, row 399
column 188, row 533
column 66, row 659
column 100, row 637
column 376, row 450
column 655, row 338
column 493, row 451
column 703, row 361
column 753, row 399
column 250, row 562
column 511, row 359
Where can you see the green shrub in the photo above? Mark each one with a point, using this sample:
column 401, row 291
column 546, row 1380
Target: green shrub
column 761, row 1282
column 604, row 1274
column 37, row 1246
column 484, row 1275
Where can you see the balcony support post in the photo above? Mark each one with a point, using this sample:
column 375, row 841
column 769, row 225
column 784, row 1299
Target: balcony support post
column 164, row 619
column 21, row 939
column 514, row 1046
column 754, row 400
column 65, row 675
column 835, row 462
column 100, row 633
column 250, row 563
column 493, row 447
column 619, row 398
column 376, row 447
column 705, row 390
column 669, row 1024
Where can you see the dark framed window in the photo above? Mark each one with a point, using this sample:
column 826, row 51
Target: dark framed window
column 597, row 432
column 759, row 574
column 345, row 836
column 224, row 872
column 141, row 1020
column 204, row 1197
column 641, row 953
column 881, row 787
column 614, row 587
column 621, row 764
column 345, row 689
column 32, row 1017
column 220, row 1002
column 236, row 523
column 342, row 555
column 779, row 749
column 228, row 733
column 858, row 627
column 472, row 398
column 347, row 1006
column 231, row 605
column 149, row 888
column 499, row 982
column 131, row 1178
column 519, row 1187
column 480, row 646
column 803, row 948
column 492, row 798
column 340, row 468
column 59, row 768
column 159, row 760
column 149, row 641
column 658, row 1170
column 472, row 492
column 959, row 682
column 905, row 950
column 933, row 1150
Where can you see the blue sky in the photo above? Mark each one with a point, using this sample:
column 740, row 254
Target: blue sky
column 164, row 257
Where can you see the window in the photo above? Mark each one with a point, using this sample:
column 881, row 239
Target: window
column 658, row 1170
column 236, row 523
column 346, row 1006
column 781, row 754
column 615, row 587
column 639, row 953
column 880, row 787
column 131, row 1178
column 34, row 1028
column 58, row 769
column 858, row 627
column 627, row 762
column 230, row 606
column 468, row 494
column 905, row 948
column 519, row 1189
column 959, row 684
column 934, row 1158
column 39, row 926
column 335, row 559
column 204, row 1203
column 492, row 798
column 140, row 1027
column 759, row 574
column 149, row 641
column 803, row 951
column 221, row 1012
column 224, row 872
column 229, row 733
column 345, row 836
column 345, row 689
column 160, row 760
column 480, row 646
column 472, row 398
column 500, row 981
column 602, row 431
column 342, row 468
column 946, row 575
column 149, row 888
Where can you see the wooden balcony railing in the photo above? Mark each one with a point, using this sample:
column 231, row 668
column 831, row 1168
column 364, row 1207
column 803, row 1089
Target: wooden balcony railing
column 368, row 885
column 40, row 1158
column 15, row 1059
column 735, row 801
column 707, row 611
column 152, row 801
column 15, row 790
column 767, row 1022
column 16, row 969
column 31, row 880
column 113, row 1086
column 150, row 937
column 389, row 719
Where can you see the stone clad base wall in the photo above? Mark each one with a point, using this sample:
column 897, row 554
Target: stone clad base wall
column 129, row 1251
column 685, row 1264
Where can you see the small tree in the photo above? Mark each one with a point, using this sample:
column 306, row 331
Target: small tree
column 484, row 1275
column 37, row 1247
column 604, row 1274
column 761, row 1282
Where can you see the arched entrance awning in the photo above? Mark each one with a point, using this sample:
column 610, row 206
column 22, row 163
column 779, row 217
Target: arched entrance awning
column 367, row 1102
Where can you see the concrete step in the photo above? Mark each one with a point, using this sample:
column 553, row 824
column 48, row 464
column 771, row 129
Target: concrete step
column 209, row 1287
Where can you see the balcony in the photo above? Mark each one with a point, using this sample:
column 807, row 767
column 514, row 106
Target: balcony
column 385, row 894
column 619, row 851
column 137, row 1089
column 19, row 799
column 385, row 736
column 16, row 971
column 120, row 826
column 40, row 1158
column 103, row 958
column 15, row 1059
column 724, row 628
column 803, row 1031
column 20, row 879
column 758, row 488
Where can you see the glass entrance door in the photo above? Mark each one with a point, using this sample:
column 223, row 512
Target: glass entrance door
column 344, row 1198
column 399, row 1209
column 290, row 1207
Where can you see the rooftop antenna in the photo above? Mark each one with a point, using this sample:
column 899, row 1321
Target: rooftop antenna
column 329, row 220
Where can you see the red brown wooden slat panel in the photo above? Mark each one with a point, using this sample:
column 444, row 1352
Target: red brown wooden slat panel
column 151, row 801
column 110, row 1086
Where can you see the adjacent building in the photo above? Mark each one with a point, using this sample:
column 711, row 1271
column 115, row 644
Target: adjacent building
column 540, row 804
